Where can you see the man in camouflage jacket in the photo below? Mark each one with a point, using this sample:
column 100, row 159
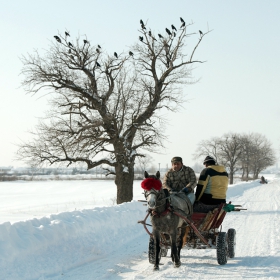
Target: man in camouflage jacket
column 180, row 178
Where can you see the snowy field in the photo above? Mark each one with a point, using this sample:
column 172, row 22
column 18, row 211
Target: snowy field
column 73, row 230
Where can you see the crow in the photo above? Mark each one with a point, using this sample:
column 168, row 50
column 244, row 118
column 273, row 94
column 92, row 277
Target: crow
column 168, row 31
column 97, row 64
column 97, row 50
column 67, row 34
column 173, row 27
column 182, row 20
column 141, row 38
column 160, row 36
column 174, row 34
column 99, row 46
column 141, row 22
column 57, row 39
column 70, row 45
column 131, row 53
column 85, row 42
column 183, row 24
column 200, row 32
column 143, row 26
column 150, row 34
column 115, row 54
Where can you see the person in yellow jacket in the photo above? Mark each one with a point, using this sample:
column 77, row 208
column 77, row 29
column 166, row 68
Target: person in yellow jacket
column 212, row 184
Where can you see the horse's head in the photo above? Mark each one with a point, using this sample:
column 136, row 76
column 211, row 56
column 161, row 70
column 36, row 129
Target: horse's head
column 151, row 185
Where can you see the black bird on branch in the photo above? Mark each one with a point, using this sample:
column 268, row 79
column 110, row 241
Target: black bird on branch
column 159, row 35
column 99, row 46
column 173, row 27
column 85, row 42
column 131, row 53
column 200, row 32
column 142, row 24
column 115, row 54
column 97, row 50
column 168, row 31
column 183, row 23
column 67, row 34
column 57, row 39
column 141, row 38
column 97, row 64
column 70, row 45
column 150, row 34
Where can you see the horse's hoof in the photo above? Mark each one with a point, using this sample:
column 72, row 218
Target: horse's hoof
column 178, row 264
column 156, row 268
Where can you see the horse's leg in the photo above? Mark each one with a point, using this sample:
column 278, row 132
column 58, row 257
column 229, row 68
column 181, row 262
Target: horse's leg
column 174, row 252
column 157, row 249
column 181, row 239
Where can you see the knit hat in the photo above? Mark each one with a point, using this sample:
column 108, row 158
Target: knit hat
column 176, row 159
column 208, row 158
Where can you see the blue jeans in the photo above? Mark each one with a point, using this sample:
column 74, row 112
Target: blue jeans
column 191, row 197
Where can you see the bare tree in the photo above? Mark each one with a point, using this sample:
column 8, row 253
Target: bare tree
column 208, row 148
column 104, row 107
column 225, row 150
column 145, row 162
column 247, row 150
column 230, row 153
column 262, row 155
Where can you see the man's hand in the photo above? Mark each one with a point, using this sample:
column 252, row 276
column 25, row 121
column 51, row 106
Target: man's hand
column 186, row 190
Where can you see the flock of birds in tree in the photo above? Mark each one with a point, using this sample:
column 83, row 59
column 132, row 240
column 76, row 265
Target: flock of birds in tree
column 85, row 42
column 141, row 38
column 174, row 30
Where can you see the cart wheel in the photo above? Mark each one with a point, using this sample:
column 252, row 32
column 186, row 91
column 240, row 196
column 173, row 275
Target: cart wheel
column 231, row 238
column 163, row 252
column 222, row 248
column 152, row 251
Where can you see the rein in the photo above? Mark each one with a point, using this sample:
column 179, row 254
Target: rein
column 162, row 214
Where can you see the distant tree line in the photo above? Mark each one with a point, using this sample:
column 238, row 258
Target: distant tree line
column 246, row 153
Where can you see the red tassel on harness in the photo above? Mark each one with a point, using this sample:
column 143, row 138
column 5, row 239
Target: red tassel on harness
column 151, row 183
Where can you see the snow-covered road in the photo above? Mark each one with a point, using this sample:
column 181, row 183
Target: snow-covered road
column 107, row 243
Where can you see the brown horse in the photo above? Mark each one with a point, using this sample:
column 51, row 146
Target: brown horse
column 162, row 216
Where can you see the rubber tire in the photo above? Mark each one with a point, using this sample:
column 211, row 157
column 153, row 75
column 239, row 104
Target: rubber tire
column 152, row 252
column 222, row 248
column 231, row 237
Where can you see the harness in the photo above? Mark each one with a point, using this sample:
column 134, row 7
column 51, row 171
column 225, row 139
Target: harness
column 156, row 214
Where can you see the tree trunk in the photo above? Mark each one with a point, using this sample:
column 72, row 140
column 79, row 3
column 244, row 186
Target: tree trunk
column 124, row 182
column 231, row 178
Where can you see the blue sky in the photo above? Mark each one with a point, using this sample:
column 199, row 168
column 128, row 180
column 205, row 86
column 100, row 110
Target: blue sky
column 238, row 88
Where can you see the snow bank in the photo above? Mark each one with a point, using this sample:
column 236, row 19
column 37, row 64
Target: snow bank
column 47, row 246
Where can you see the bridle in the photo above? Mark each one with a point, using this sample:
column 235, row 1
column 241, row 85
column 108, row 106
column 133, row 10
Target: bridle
column 162, row 202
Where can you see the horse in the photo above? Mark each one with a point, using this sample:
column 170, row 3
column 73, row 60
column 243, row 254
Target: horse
column 165, row 218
